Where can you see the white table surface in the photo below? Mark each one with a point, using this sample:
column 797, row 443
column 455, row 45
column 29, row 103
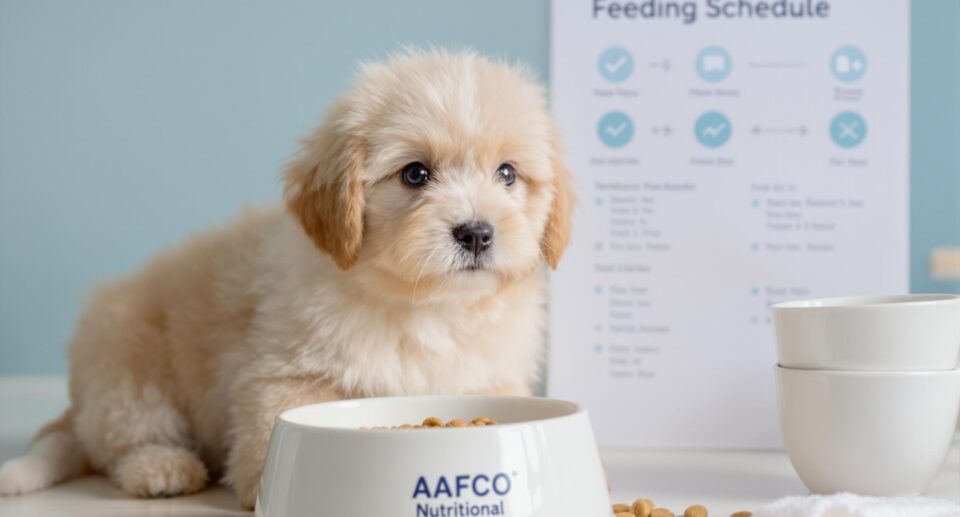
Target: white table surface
column 723, row 481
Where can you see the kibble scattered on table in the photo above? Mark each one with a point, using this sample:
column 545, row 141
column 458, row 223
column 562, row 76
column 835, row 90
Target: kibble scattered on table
column 642, row 507
column 645, row 508
column 435, row 423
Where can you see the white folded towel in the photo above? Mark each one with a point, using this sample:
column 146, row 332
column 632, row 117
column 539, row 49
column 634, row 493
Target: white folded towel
column 850, row 505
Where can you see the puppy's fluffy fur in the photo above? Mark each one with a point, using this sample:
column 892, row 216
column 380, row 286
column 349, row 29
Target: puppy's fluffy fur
column 355, row 288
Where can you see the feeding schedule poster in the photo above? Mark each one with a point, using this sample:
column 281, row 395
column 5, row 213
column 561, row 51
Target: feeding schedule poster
column 728, row 154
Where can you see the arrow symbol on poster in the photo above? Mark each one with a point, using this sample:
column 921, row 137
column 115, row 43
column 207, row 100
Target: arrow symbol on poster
column 788, row 130
column 663, row 65
column 664, row 130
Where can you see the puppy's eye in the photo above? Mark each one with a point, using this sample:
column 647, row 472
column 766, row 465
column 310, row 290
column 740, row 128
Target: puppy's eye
column 415, row 175
column 507, row 174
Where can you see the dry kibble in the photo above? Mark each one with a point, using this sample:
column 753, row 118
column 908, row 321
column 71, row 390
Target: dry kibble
column 433, row 422
column 642, row 507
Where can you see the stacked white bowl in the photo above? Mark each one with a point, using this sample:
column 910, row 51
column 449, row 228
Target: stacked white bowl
column 869, row 390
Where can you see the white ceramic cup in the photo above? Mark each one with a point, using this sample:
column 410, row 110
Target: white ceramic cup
column 886, row 333
column 871, row 433
column 540, row 461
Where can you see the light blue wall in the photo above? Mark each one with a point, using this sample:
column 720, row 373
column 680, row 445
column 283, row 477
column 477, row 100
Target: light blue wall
column 126, row 125
column 935, row 137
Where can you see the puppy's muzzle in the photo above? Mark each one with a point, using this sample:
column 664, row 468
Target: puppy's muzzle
column 474, row 237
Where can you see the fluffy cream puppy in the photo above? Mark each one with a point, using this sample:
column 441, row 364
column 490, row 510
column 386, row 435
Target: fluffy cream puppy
column 408, row 259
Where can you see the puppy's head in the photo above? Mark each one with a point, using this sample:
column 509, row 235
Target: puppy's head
column 437, row 170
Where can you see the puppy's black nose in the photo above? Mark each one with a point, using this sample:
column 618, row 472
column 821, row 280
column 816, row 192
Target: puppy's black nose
column 475, row 236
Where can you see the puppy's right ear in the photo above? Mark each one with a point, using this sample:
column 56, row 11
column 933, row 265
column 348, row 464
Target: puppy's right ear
column 324, row 188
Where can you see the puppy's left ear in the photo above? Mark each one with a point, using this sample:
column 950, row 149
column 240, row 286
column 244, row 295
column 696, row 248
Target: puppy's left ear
column 556, row 235
column 324, row 188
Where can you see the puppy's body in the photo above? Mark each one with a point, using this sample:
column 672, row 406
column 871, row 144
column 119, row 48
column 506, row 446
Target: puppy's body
column 354, row 289
column 183, row 351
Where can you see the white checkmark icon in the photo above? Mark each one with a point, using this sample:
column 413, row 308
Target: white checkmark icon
column 614, row 131
column 616, row 65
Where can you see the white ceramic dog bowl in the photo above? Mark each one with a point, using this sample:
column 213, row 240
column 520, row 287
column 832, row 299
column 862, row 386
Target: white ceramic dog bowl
column 872, row 433
column 540, row 461
column 888, row 333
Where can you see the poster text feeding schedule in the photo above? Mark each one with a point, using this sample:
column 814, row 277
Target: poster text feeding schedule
column 728, row 155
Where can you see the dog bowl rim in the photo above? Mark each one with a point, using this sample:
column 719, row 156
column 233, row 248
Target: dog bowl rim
column 573, row 410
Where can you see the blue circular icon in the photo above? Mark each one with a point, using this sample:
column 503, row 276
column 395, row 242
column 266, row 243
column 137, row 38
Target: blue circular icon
column 615, row 64
column 713, row 129
column 714, row 64
column 848, row 64
column 848, row 129
column 615, row 129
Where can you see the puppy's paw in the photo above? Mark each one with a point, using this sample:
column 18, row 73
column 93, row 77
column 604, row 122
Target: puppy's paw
column 247, row 497
column 246, row 483
column 244, row 466
column 160, row 470
column 25, row 474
